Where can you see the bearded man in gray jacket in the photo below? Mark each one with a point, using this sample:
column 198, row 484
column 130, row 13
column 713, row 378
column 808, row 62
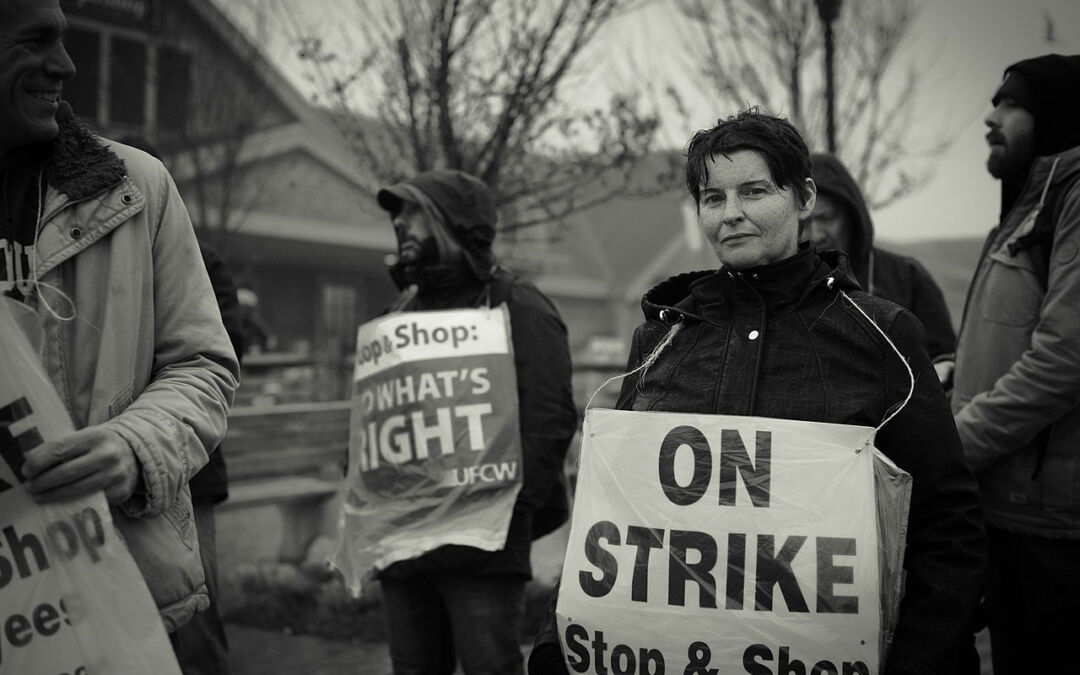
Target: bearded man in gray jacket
column 1017, row 386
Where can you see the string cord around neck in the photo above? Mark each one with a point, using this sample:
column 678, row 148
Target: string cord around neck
column 36, row 283
column 903, row 359
column 649, row 360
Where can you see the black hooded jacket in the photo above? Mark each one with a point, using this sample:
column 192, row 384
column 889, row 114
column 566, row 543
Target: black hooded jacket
column 900, row 279
column 813, row 356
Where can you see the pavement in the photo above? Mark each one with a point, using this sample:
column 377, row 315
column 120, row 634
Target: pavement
column 254, row 651
column 257, row 651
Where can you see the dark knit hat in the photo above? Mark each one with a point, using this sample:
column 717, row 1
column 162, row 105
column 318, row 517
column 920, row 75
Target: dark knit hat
column 466, row 204
column 1049, row 88
column 1016, row 88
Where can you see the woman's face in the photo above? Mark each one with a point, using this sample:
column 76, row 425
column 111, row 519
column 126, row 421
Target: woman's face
column 749, row 220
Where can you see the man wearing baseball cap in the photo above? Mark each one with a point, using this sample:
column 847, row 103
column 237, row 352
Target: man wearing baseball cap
column 459, row 603
column 1016, row 399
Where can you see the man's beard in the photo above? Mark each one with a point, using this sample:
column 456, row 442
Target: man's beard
column 415, row 258
column 438, row 269
column 1009, row 164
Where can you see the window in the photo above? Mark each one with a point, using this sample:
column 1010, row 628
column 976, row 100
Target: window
column 339, row 313
column 173, row 90
column 127, row 82
column 81, row 92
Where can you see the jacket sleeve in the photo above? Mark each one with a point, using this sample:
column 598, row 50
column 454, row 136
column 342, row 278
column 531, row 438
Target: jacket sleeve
column 181, row 414
column 946, row 548
column 1042, row 386
column 928, row 306
column 545, row 399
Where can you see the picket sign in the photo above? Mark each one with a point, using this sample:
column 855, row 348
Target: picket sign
column 72, row 600
column 434, row 439
column 724, row 544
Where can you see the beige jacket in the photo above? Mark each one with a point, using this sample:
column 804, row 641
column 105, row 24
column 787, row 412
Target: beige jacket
column 146, row 353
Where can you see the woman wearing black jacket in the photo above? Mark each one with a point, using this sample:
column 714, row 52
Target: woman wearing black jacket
column 780, row 331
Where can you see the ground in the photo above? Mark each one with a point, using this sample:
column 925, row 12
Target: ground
column 261, row 652
column 258, row 652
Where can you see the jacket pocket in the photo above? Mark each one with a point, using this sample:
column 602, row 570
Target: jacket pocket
column 182, row 517
column 121, row 401
column 1011, row 290
column 1060, row 474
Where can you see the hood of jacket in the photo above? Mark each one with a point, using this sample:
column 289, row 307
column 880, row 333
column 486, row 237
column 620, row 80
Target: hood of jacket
column 787, row 282
column 1053, row 87
column 833, row 179
column 463, row 210
column 1050, row 87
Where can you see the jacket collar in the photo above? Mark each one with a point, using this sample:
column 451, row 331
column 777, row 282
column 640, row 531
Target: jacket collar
column 785, row 283
column 78, row 164
column 1020, row 200
column 1068, row 165
column 80, row 168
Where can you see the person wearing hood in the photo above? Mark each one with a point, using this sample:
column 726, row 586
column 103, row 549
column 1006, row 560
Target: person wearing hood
column 841, row 221
column 1017, row 385
column 458, row 603
column 783, row 331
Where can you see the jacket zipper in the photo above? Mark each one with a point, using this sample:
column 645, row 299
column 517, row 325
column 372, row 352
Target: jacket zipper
column 760, row 341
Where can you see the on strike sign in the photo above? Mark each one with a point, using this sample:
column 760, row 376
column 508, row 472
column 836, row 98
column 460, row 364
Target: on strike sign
column 434, row 444
column 72, row 600
column 720, row 544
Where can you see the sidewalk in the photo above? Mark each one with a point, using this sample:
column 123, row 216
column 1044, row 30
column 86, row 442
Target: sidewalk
column 253, row 651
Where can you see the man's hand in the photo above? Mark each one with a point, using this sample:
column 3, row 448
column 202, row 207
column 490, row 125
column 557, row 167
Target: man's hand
column 92, row 459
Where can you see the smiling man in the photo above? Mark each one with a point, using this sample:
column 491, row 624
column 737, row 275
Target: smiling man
column 1017, row 385
column 33, row 69
column 96, row 242
column 32, row 75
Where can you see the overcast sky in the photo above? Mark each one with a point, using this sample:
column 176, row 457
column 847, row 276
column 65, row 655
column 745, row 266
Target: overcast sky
column 964, row 46
column 977, row 40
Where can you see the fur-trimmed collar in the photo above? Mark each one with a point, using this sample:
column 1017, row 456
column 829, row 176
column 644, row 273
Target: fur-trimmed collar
column 79, row 165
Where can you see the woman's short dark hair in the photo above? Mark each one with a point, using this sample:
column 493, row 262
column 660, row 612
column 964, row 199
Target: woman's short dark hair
column 779, row 142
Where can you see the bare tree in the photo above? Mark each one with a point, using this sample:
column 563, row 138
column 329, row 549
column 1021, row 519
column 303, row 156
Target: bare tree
column 478, row 85
column 768, row 53
column 226, row 108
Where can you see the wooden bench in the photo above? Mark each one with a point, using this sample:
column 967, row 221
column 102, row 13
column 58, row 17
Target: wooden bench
column 292, row 457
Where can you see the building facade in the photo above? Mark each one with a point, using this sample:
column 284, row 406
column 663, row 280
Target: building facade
column 270, row 182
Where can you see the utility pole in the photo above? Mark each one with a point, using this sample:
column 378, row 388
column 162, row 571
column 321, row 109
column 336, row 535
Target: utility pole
column 829, row 10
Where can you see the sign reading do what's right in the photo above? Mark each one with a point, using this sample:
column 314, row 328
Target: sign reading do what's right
column 709, row 545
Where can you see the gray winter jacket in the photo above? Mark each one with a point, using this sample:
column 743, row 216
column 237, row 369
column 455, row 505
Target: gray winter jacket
column 1017, row 383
